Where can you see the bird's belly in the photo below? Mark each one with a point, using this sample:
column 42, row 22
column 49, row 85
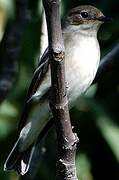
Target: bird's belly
column 81, row 67
column 77, row 85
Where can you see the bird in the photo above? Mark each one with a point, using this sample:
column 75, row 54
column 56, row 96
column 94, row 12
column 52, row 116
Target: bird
column 82, row 57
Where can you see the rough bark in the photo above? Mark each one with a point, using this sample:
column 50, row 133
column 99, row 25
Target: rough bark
column 67, row 140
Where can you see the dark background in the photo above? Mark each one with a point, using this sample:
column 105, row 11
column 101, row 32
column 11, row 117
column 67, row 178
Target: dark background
column 95, row 120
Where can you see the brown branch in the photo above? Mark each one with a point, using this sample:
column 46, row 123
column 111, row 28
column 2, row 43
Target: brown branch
column 108, row 63
column 10, row 48
column 65, row 168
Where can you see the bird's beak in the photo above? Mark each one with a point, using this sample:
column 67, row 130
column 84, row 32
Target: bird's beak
column 104, row 18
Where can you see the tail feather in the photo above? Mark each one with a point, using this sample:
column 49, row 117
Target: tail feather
column 18, row 161
column 12, row 158
column 25, row 162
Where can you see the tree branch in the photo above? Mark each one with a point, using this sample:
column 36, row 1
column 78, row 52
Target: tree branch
column 10, row 48
column 65, row 168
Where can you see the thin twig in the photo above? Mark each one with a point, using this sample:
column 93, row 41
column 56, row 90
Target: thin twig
column 67, row 140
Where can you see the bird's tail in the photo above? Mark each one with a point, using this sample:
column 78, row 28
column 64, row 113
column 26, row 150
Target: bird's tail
column 18, row 161
column 22, row 162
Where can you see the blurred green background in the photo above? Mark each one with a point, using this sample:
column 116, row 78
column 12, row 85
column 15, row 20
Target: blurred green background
column 95, row 120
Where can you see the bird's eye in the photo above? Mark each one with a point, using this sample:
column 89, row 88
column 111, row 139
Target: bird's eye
column 84, row 14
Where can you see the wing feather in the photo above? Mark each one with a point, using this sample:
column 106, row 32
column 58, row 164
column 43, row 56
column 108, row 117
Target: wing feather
column 36, row 82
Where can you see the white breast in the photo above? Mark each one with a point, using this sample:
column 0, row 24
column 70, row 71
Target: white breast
column 82, row 55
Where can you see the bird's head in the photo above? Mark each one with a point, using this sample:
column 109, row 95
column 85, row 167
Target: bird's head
column 84, row 18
